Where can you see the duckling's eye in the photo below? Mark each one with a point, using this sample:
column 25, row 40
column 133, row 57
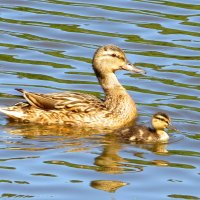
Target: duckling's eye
column 114, row 55
column 161, row 119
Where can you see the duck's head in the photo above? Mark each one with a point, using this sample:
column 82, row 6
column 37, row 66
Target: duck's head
column 160, row 121
column 109, row 58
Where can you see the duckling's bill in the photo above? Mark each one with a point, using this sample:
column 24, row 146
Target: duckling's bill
column 172, row 128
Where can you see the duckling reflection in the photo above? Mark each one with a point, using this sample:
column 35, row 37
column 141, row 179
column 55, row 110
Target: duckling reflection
column 142, row 134
column 158, row 148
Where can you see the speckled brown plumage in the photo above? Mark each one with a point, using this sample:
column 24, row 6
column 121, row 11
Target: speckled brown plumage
column 80, row 109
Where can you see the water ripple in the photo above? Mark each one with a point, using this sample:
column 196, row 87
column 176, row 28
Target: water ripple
column 47, row 46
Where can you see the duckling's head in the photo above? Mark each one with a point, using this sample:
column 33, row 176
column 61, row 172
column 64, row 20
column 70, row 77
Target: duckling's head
column 109, row 58
column 160, row 121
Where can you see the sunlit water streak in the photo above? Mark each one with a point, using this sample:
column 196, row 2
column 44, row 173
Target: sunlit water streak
column 47, row 46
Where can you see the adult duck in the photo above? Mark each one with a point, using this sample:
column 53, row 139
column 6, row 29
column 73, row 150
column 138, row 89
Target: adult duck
column 80, row 109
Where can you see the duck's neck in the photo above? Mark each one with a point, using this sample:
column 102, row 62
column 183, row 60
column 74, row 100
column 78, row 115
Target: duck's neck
column 117, row 98
column 163, row 136
column 111, row 85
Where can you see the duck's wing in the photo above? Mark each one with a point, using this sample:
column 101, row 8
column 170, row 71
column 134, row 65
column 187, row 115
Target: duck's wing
column 73, row 101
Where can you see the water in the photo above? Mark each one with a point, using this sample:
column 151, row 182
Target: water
column 47, row 46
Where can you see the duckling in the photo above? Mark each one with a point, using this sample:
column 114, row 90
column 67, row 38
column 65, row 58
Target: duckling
column 143, row 134
column 80, row 109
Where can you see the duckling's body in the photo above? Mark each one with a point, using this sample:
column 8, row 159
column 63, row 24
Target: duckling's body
column 79, row 109
column 143, row 134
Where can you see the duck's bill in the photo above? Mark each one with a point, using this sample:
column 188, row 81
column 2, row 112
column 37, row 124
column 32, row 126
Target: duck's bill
column 132, row 68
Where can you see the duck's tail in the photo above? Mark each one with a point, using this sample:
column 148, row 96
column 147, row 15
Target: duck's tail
column 12, row 113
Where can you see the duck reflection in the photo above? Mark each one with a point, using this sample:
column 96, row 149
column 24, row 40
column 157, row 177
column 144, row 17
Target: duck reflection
column 33, row 130
column 109, row 161
column 107, row 185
